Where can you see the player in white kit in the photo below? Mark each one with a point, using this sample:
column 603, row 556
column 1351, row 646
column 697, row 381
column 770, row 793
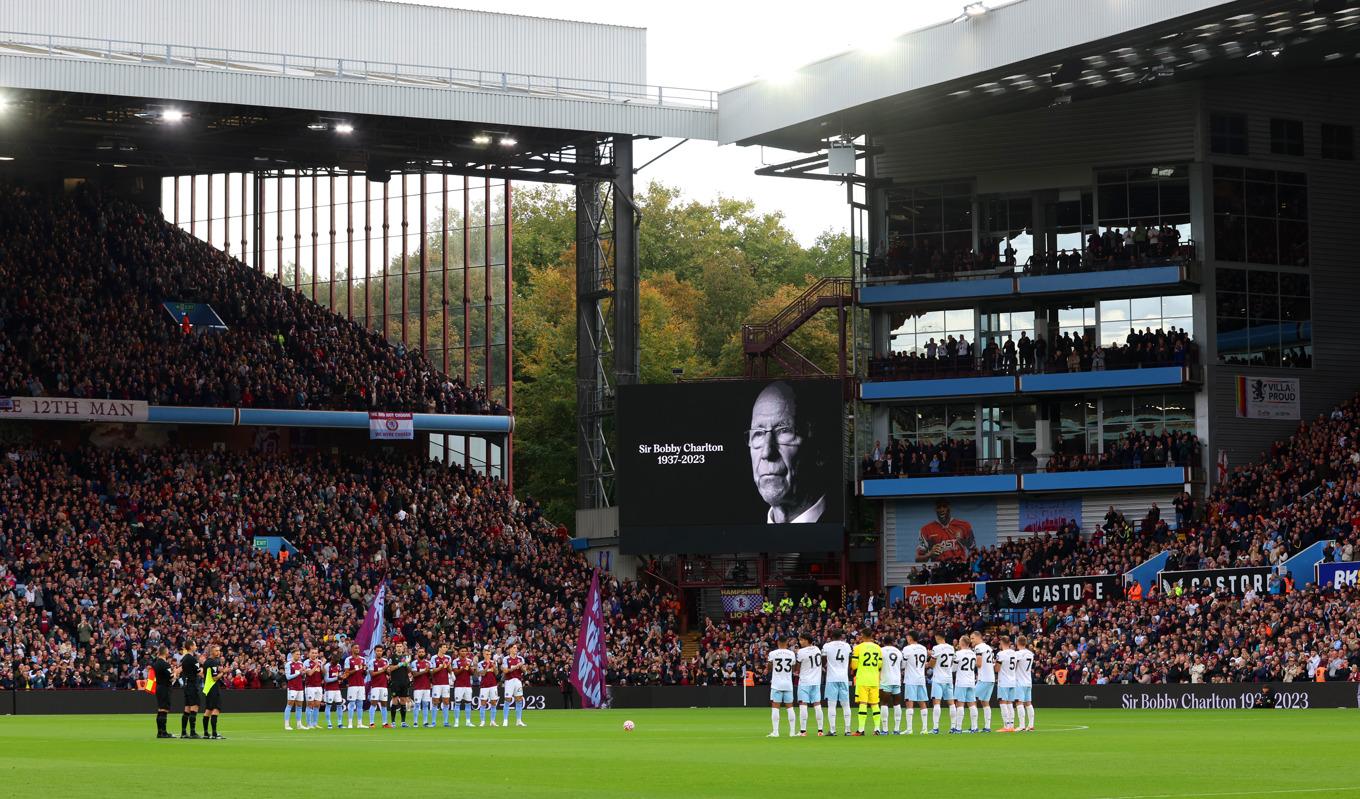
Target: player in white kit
column 836, row 659
column 809, row 683
column 986, row 677
column 965, row 684
column 1024, row 685
column 1006, row 661
column 941, row 680
column 781, row 687
column 914, row 695
column 890, row 688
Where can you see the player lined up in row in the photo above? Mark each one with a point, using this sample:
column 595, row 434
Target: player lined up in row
column 425, row 684
column 962, row 677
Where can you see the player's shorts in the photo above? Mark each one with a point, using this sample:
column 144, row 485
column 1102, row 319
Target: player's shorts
column 780, row 696
column 915, row 693
column 355, row 693
column 965, row 694
column 333, row 697
column 294, row 696
column 401, row 690
column 810, row 694
column 866, row 694
column 423, row 695
column 942, row 691
column 489, row 695
column 838, row 692
column 193, row 697
column 212, row 700
column 1023, row 693
column 377, row 694
column 462, row 694
column 984, row 691
column 440, row 692
column 514, row 689
column 314, row 694
column 891, row 690
column 163, row 698
column 1005, row 694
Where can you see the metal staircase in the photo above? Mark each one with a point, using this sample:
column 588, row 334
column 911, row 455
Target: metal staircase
column 766, row 340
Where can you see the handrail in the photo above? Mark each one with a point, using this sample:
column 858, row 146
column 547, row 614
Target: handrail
column 258, row 62
column 758, row 333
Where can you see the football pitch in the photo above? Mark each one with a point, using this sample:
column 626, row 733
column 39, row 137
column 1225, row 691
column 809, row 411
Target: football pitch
column 1075, row 754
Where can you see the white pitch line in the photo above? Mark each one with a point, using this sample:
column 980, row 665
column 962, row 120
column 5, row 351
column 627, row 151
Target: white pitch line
column 1232, row 793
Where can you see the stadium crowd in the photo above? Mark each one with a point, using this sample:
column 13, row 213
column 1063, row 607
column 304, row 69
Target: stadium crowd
column 82, row 282
column 1067, row 353
column 108, row 552
column 1114, row 248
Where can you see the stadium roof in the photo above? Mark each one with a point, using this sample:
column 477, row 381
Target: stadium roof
column 257, row 80
column 1028, row 54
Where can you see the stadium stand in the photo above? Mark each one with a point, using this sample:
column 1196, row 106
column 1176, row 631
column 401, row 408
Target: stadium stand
column 956, row 358
column 82, row 282
column 109, row 551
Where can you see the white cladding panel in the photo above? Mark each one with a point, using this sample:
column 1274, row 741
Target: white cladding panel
column 936, row 55
column 352, row 29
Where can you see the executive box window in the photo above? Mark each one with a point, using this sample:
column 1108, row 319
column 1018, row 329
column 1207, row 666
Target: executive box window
column 1338, row 142
column 932, row 424
column 1006, row 229
column 1228, row 134
column 1078, row 427
column 1077, row 322
column 1286, row 137
column 1119, row 318
column 913, row 332
column 1155, row 196
column 1264, row 318
column 1146, row 413
column 1260, row 216
column 931, row 219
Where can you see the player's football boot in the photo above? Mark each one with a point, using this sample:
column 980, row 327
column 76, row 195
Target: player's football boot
column 772, row 735
column 820, row 734
column 855, row 734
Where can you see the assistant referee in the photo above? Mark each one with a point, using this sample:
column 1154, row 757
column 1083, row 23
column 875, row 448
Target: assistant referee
column 212, row 698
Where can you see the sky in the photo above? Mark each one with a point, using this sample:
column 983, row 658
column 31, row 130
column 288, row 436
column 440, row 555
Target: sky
column 710, row 44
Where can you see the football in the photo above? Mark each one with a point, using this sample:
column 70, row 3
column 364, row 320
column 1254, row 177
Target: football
column 628, row 726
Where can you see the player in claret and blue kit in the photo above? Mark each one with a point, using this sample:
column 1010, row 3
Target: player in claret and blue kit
column 355, row 675
column 514, row 686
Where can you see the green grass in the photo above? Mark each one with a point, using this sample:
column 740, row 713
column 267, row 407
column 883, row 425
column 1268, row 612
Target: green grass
column 1076, row 754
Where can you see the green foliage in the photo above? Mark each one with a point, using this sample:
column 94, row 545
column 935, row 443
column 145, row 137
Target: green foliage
column 706, row 268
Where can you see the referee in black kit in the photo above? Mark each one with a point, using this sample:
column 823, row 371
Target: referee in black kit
column 193, row 691
column 164, row 674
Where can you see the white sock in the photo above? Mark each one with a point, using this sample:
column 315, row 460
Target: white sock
column 818, row 710
column 925, row 717
column 831, row 716
column 935, row 723
column 802, row 718
column 1029, row 709
column 953, row 717
column 911, row 714
column 793, row 722
column 846, row 706
column 1019, row 715
column 972, row 717
column 987, row 717
column 774, row 720
column 883, row 719
column 897, row 718
column 1006, row 714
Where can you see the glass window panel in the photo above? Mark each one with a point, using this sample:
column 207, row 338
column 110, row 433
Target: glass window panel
column 1071, row 317
column 1295, row 178
column 1230, row 238
column 1113, row 334
column 1232, row 303
column 1178, row 305
column 1293, row 243
column 1293, row 201
column 929, row 217
column 1262, row 244
column 1113, row 202
column 1145, row 309
column 1231, row 279
column 1142, row 201
column 1294, row 284
column 1261, row 199
column 1295, row 309
column 1114, row 311
column 1116, row 412
column 1263, row 306
column 1147, row 413
column 930, row 322
column 1261, row 281
column 931, row 423
column 959, row 320
column 1186, row 323
column 1175, row 197
column 958, row 213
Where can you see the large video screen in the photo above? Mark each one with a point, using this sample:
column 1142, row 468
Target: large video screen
column 739, row 466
